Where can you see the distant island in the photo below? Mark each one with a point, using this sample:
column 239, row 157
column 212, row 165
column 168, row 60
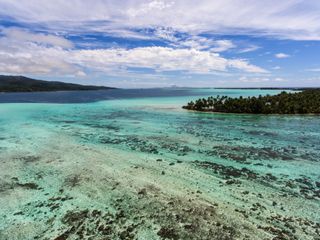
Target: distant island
column 24, row 84
column 304, row 102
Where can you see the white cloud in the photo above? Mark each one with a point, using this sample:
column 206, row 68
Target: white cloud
column 246, row 79
column 167, row 34
column 290, row 19
column 276, row 68
column 126, row 33
column 282, row 55
column 245, row 66
column 34, row 57
column 250, row 48
column 151, row 6
column 203, row 43
column 28, row 53
column 20, row 35
column 279, row 79
column 160, row 59
column 314, row 70
column 253, row 80
column 179, row 40
column 222, row 45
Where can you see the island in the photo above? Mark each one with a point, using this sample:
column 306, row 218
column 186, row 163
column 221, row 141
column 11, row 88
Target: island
column 302, row 102
column 25, row 84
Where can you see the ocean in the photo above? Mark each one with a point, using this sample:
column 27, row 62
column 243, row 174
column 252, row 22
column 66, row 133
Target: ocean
column 132, row 164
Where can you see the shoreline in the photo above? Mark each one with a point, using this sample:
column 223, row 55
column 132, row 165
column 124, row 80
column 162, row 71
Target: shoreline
column 259, row 114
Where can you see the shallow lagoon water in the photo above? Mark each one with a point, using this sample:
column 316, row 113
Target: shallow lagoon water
column 131, row 164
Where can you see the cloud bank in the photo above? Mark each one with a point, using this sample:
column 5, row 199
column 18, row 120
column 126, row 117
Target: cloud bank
column 289, row 19
column 144, row 38
column 25, row 52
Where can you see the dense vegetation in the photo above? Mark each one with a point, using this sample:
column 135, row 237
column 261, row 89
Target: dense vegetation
column 307, row 101
column 24, row 84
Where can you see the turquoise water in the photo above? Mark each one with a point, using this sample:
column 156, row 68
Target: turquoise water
column 140, row 167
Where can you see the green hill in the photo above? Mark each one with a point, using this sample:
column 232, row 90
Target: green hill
column 24, row 84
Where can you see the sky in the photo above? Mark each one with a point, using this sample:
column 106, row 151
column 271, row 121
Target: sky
column 158, row 43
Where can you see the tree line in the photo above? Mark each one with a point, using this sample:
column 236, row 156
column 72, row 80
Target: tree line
column 307, row 101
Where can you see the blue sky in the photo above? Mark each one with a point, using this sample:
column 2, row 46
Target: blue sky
column 157, row 43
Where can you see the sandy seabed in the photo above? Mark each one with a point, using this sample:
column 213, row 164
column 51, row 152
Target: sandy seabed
column 144, row 169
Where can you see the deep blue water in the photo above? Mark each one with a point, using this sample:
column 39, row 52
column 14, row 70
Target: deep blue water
column 91, row 96
column 112, row 94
